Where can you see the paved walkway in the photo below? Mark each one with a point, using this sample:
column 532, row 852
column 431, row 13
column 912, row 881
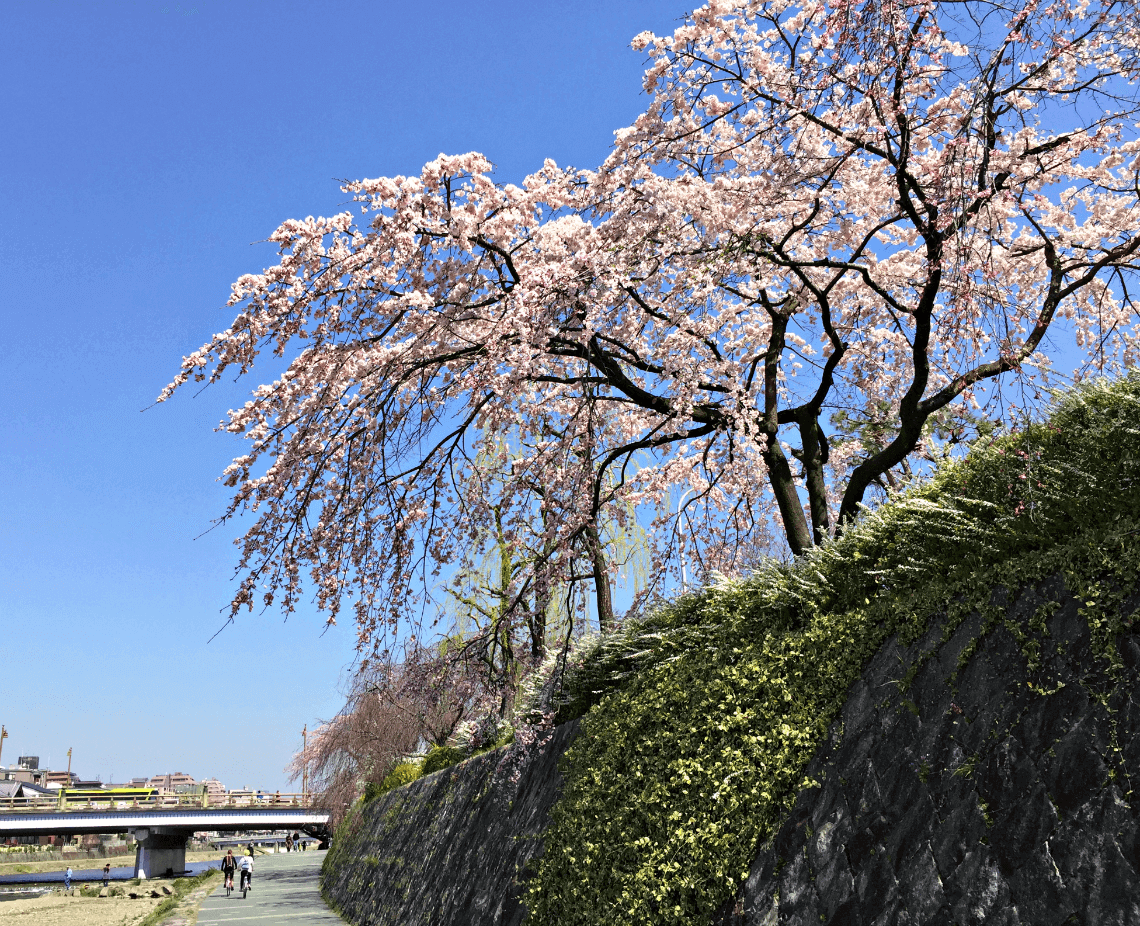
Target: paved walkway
column 285, row 891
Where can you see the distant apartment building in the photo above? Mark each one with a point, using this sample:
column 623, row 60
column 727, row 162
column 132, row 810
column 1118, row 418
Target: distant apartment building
column 26, row 769
column 214, row 789
column 31, row 776
column 173, row 783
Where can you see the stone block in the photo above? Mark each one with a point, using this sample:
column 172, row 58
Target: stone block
column 921, row 886
column 1078, row 771
column 976, row 889
column 1021, row 825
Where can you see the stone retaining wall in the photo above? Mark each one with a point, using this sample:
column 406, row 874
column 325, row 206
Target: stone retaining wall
column 1001, row 797
column 451, row 847
column 1006, row 801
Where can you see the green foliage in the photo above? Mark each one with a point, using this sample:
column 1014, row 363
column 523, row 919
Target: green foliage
column 700, row 720
column 441, row 757
column 403, row 774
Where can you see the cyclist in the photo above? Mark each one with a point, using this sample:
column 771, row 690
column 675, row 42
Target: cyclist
column 246, row 866
column 229, row 866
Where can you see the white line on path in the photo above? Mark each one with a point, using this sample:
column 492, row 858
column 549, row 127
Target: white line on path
column 241, row 919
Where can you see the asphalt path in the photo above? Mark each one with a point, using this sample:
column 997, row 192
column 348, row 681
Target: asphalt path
column 285, row 891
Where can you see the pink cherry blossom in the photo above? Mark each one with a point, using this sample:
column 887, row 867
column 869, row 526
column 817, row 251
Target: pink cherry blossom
column 857, row 208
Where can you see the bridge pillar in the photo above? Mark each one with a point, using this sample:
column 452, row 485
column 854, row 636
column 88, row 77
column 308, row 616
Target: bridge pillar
column 161, row 849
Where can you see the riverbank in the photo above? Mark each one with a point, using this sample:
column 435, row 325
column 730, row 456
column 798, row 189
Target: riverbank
column 65, row 910
column 93, row 864
column 176, row 902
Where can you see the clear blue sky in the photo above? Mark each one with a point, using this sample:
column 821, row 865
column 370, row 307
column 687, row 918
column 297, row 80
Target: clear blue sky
column 147, row 147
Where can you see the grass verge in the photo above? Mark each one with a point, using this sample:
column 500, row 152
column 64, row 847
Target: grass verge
column 182, row 888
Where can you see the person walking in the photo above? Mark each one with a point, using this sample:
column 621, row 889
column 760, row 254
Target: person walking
column 106, row 873
column 288, row 844
column 67, row 879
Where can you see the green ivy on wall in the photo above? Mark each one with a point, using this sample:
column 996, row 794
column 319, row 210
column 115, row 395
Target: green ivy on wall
column 700, row 720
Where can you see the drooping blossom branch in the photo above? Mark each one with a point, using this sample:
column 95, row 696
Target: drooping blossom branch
column 855, row 210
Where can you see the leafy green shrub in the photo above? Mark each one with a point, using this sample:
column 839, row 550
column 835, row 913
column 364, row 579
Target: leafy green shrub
column 700, row 720
column 441, row 757
column 403, row 774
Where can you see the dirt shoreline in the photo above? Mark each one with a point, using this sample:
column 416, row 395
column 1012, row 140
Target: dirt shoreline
column 61, row 910
column 58, row 909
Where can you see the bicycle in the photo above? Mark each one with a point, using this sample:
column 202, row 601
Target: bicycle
column 229, row 866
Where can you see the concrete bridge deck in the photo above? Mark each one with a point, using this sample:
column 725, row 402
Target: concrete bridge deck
column 74, row 823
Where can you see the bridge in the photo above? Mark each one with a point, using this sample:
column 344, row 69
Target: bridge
column 161, row 825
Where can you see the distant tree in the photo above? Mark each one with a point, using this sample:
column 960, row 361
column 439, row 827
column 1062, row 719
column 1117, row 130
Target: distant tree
column 855, row 208
column 393, row 710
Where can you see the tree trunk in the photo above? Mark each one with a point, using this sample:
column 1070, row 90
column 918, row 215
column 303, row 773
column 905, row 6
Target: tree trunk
column 815, row 456
column 501, row 622
column 538, row 616
column 779, row 472
column 601, row 578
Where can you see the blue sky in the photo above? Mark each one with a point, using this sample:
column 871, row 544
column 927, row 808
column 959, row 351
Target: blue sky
column 147, row 149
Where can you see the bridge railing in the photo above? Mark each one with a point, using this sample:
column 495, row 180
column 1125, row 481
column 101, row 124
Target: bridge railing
column 256, row 801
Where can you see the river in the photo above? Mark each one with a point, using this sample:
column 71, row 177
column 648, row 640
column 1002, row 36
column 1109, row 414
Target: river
column 14, row 887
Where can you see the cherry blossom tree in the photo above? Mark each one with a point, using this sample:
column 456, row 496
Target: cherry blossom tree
column 394, row 709
column 835, row 219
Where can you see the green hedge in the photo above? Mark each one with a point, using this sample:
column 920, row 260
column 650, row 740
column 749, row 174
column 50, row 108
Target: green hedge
column 404, row 773
column 441, row 757
column 701, row 719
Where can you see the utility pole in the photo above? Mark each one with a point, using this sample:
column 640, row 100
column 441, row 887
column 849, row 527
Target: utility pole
column 304, row 763
column 3, row 736
column 63, row 788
